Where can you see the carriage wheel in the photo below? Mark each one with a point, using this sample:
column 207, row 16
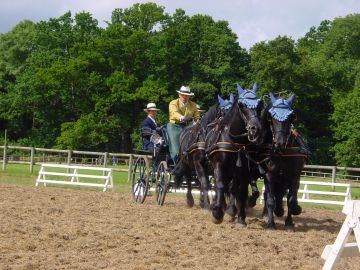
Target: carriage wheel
column 162, row 182
column 140, row 180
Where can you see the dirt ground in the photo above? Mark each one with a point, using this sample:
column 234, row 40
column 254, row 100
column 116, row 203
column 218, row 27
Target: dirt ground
column 55, row 228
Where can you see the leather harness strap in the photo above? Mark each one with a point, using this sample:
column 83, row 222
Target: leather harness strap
column 225, row 147
column 196, row 146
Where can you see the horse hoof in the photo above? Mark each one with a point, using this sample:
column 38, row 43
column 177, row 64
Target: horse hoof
column 270, row 226
column 217, row 221
column 289, row 225
column 190, row 203
column 242, row 223
column 266, row 218
column 231, row 211
column 218, row 215
column 205, row 205
column 232, row 219
column 279, row 211
column 296, row 210
column 201, row 204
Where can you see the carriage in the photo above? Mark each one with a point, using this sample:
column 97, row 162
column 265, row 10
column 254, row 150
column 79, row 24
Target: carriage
column 153, row 173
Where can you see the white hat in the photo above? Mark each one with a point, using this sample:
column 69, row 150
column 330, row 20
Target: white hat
column 151, row 107
column 185, row 90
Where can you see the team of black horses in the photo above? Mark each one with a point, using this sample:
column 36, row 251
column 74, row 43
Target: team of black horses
column 238, row 141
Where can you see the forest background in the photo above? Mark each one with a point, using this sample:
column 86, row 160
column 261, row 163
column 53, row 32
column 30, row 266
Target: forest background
column 67, row 83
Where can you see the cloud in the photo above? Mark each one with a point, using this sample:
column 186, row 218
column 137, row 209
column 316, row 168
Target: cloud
column 251, row 20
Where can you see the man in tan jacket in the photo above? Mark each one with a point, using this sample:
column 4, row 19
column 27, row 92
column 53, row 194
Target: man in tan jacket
column 181, row 110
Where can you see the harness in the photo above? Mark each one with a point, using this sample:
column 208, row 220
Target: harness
column 229, row 147
column 195, row 147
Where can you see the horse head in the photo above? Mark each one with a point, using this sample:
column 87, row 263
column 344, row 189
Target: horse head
column 250, row 107
column 225, row 104
column 281, row 119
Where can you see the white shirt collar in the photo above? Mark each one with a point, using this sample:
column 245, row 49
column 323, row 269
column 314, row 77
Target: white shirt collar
column 152, row 119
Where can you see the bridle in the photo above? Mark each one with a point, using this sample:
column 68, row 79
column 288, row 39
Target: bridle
column 282, row 130
column 247, row 125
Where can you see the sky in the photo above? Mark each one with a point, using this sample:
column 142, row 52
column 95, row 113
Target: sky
column 251, row 20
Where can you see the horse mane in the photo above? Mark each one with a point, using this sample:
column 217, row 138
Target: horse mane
column 209, row 116
column 229, row 115
column 265, row 123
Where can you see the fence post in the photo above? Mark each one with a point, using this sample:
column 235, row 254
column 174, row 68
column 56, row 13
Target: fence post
column 333, row 176
column 4, row 159
column 130, row 166
column 4, row 155
column 105, row 161
column 68, row 161
column 32, row 159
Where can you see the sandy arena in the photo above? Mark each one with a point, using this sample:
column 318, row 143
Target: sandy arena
column 55, row 228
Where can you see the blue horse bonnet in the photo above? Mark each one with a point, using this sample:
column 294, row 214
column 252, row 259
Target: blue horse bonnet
column 249, row 99
column 280, row 110
column 226, row 103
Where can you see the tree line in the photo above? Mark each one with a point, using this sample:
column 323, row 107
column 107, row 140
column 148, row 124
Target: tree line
column 68, row 83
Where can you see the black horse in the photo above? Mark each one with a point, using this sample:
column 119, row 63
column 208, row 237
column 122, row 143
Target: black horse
column 225, row 145
column 283, row 162
column 192, row 157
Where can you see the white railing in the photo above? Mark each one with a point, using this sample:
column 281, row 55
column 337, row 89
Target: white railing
column 36, row 156
column 308, row 189
column 48, row 173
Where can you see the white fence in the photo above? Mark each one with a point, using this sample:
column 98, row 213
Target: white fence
column 73, row 178
column 310, row 188
column 35, row 156
column 332, row 253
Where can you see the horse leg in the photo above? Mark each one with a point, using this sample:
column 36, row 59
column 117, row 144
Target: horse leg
column 279, row 195
column 293, row 203
column 189, row 196
column 264, row 212
column 218, row 208
column 289, row 221
column 243, row 198
column 270, row 204
column 254, row 192
column 231, row 208
column 204, row 185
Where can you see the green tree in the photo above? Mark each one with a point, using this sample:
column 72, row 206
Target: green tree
column 346, row 118
column 140, row 16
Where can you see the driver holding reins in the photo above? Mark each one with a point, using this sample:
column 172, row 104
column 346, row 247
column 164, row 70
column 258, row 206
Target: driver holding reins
column 181, row 110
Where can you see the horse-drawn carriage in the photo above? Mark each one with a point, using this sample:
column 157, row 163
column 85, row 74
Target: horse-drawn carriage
column 249, row 140
column 152, row 168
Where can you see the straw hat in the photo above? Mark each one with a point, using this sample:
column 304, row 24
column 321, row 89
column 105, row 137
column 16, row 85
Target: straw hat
column 151, row 107
column 185, row 90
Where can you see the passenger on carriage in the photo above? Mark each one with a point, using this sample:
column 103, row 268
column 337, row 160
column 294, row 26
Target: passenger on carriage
column 148, row 126
column 181, row 110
